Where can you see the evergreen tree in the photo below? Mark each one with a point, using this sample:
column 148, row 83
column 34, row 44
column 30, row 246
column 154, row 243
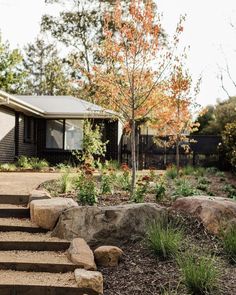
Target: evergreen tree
column 11, row 68
column 46, row 70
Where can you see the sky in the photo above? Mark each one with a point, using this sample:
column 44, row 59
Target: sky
column 207, row 31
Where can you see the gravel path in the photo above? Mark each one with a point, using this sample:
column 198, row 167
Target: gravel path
column 17, row 222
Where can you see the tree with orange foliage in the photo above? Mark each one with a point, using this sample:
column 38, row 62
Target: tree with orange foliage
column 133, row 78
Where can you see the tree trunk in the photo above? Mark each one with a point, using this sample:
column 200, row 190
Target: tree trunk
column 133, row 157
column 177, row 155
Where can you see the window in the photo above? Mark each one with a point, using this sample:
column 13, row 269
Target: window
column 29, row 129
column 73, row 134
column 54, row 134
column 64, row 134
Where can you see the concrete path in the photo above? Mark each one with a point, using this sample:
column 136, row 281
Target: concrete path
column 22, row 183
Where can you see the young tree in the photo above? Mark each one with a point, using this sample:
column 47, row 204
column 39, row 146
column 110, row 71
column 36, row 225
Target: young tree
column 11, row 68
column 133, row 77
column 46, row 71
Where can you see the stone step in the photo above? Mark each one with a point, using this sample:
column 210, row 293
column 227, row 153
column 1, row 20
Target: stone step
column 53, row 262
column 19, row 224
column 36, row 283
column 31, row 242
column 14, row 199
column 9, row 210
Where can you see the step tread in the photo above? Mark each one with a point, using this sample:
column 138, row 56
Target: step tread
column 43, row 257
column 28, row 237
column 18, row 222
column 13, row 206
column 11, row 277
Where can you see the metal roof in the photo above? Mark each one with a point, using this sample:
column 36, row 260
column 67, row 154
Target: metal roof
column 64, row 106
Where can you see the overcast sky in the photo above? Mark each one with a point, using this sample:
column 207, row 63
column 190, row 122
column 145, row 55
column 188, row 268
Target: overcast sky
column 207, row 32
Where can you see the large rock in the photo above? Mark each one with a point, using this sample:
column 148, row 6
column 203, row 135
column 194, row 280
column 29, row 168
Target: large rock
column 39, row 195
column 216, row 213
column 107, row 225
column 91, row 280
column 81, row 254
column 45, row 213
column 108, row 256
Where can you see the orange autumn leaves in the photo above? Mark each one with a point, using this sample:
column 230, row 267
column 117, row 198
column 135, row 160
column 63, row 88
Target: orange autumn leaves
column 139, row 77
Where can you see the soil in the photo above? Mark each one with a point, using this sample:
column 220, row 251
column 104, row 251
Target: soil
column 141, row 273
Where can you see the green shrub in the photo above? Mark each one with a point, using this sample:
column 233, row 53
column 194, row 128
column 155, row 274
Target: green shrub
column 124, row 180
column 7, row 167
column 107, row 181
column 212, row 170
column 229, row 242
column 38, row 164
column 63, row 167
column 87, row 190
column 220, row 174
column 171, row 172
column 202, row 187
column 164, row 239
column 23, row 162
column 188, row 170
column 200, row 171
column 184, row 188
column 160, row 190
column 203, row 180
column 65, row 182
column 199, row 274
column 140, row 192
column 230, row 190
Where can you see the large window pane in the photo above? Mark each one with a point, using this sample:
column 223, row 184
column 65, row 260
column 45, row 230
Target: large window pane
column 73, row 134
column 54, row 134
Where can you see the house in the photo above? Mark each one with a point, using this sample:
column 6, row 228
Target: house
column 51, row 127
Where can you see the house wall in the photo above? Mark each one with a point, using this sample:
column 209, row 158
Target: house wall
column 7, row 135
column 25, row 148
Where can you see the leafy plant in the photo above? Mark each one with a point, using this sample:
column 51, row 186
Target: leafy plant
column 87, row 190
column 107, row 182
column 38, row 164
column 160, row 190
column 199, row 274
column 171, row 172
column 124, row 180
column 65, row 182
column 203, row 180
column 200, row 171
column 229, row 242
column 202, row 187
column 220, row 174
column 188, row 170
column 229, row 142
column 212, row 170
column 184, row 188
column 230, row 190
column 23, row 162
column 164, row 239
column 7, row 167
column 93, row 144
column 140, row 192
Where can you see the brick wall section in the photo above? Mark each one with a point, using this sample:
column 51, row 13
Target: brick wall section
column 7, row 135
column 25, row 148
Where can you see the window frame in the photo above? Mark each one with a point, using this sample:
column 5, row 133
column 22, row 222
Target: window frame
column 29, row 129
column 63, row 135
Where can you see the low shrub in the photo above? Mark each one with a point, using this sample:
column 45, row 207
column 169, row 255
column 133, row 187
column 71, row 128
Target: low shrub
column 107, row 182
column 199, row 274
column 184, row 188
column 229, row 243
column 160, row 190
column 230, row 190
column 7, row 167
column 164, row 239
column 220, row 174
column 23, row 162
column 124, row 180
column 202, row 187
column 188, row 170
column 171, row 172
column 203, row 180
column 31, row 163
column 212, row 170
column 87, row 190
column 200, row 172
column 65, row 182
column 140, row 192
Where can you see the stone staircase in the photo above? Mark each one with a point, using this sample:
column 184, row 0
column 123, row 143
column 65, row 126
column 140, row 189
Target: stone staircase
column 31, row 261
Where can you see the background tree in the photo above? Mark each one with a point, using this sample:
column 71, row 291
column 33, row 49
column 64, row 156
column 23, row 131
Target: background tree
column 218, row 116
column 11, row 68
column 229, row 142
column 79, row 26
column 45, row 69
column 133, row 78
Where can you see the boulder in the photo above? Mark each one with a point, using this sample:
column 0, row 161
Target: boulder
column 91, row 280
column 45, row 213
column 81, row 254
column 215, row 213
column 39, row 195
column 107, row 225
column 108, row 256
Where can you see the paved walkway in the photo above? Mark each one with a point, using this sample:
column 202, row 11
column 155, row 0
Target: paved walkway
column 22, row 183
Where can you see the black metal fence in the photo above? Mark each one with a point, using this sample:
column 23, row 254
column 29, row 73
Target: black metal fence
column 204, row 151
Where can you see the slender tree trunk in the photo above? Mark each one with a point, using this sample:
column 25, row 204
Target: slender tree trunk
column 177, row 155
column 133, row 157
